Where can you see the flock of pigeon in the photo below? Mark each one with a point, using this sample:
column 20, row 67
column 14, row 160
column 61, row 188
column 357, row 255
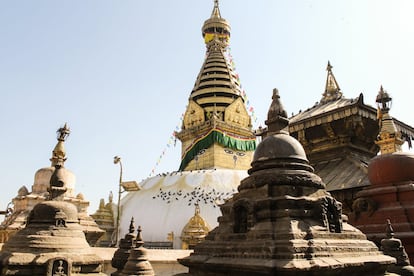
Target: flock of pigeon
column 196, row 196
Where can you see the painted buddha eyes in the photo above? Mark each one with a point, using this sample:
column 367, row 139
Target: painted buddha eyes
column 238, row 153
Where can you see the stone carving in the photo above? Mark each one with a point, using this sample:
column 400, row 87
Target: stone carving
column 364, row 204
column 59, row 267
column 332, row 214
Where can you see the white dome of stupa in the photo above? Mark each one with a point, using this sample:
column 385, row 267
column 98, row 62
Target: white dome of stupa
column 166, row 202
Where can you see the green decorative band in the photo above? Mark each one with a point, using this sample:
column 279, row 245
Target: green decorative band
column 219, row 137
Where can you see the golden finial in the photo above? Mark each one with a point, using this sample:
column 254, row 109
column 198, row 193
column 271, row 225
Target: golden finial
column 59, row 152
column 332, row 90
column 63, row 132
column 389, row 138
column 216, row 10
column 329, row 67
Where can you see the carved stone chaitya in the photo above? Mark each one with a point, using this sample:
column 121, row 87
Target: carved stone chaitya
column 138, row 263
column 393, row 247
column 24, row 202
column 121, row 255
column 284, row 222
column 52, row 243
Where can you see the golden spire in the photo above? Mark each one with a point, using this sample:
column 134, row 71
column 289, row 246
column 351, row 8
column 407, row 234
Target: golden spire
column 216, row 29
column 389, row 138
column 332, row 90
column 59, row 152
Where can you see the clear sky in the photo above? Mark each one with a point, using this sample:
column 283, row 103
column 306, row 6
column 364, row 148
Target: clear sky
column 120, row 74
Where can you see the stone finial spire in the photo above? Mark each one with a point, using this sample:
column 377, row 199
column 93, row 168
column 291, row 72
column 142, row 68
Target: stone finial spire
column 389, row 138
column 332, row 90
column 59, row 152
column 277, row 119
column 131, row 226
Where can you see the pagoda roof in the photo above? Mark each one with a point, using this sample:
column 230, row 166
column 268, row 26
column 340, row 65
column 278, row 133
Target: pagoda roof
column 326, row 110
column 344, row 172
column 338, row 109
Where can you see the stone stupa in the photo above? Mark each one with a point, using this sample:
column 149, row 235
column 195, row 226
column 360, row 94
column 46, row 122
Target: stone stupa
column 52, row 243
column 25, row 200
column 283, row 221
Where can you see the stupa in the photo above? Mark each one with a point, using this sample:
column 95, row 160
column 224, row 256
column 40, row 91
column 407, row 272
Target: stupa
column 393, row 247
column 283, row 221
column 121, row 255
column 137, row 263
column 24, row 202
column 217, row 147
column 391, row 193
column 53, row 241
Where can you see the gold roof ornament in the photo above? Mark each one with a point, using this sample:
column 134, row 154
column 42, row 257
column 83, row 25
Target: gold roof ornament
column 332, row 90
column 389, row 138
column 195, row 230
column 59, row 152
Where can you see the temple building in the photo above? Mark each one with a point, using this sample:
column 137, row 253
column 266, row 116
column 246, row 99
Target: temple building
column 25, row 200
column 339, row 137
column 217, row 148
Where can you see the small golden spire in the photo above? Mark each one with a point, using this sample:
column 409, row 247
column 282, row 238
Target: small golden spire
column 216, row 11
column 195, row 230
column 59, row 152
column 332, row 90
column 389, row 138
